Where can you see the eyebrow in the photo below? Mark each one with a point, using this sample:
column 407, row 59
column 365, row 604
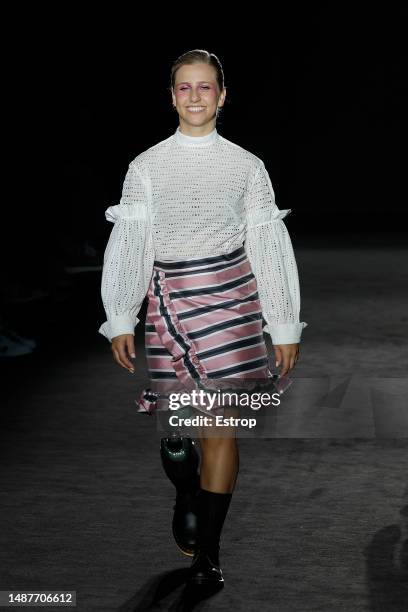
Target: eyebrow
column 187, row 82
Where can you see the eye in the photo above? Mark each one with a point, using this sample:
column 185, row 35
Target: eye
column 202, row 86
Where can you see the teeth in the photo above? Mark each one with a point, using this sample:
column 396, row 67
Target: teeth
column 195, row 109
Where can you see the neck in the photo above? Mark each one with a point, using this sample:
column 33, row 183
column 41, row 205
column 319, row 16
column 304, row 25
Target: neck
column 199, row 140
column 196, row 130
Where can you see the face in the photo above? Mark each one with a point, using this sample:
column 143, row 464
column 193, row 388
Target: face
column 196, row 86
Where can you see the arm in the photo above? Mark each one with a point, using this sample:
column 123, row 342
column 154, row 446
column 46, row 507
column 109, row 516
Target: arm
column 128, row 259
column 269, row 249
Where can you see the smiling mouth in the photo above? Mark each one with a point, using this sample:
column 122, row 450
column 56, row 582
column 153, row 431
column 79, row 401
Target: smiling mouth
column 195, row 109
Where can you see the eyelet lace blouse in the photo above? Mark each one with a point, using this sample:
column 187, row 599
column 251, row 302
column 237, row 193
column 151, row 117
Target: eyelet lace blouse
column 198, row 196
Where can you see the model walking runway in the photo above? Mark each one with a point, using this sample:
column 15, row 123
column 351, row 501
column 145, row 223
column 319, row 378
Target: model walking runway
column 197, row 231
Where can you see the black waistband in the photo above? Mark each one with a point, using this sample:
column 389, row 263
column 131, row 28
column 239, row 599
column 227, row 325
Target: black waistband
column 184, row 263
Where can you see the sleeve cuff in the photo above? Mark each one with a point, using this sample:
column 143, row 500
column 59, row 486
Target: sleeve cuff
column 118, row 325
column 285, row 333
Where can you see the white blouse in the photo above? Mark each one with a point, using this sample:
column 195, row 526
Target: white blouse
column 198, row 196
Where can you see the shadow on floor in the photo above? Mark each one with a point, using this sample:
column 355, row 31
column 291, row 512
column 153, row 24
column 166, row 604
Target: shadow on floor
column 387, row 567
column 168, row 591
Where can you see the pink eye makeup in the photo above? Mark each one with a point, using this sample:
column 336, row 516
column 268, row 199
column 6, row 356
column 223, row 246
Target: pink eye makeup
column 201, row 86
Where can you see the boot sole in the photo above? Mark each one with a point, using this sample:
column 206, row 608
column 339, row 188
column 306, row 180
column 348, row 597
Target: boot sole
column 205, row 581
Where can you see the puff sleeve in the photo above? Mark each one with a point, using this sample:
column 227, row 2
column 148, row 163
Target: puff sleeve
column 270, row 252
column 129, row 256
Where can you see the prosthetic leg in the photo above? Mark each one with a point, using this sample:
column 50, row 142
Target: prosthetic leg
column 180, row 460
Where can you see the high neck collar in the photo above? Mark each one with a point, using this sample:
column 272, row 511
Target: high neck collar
column 195, row 141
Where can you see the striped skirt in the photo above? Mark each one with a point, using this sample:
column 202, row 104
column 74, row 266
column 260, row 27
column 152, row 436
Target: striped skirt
column 203, row 322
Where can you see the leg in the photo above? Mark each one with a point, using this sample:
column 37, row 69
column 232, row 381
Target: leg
column 219, row 457
column 219, row 464
column 219, row 470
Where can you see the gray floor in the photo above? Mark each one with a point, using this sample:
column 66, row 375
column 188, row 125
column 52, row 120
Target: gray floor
column 317, row 522
column 355, row 303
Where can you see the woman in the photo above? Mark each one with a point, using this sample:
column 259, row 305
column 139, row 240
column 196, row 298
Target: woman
column 197, row 230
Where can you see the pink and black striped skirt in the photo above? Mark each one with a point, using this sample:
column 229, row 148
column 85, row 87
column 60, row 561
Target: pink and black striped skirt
column 203, row 322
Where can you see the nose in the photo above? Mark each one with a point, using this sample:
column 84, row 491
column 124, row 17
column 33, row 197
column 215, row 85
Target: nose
column 194, row 94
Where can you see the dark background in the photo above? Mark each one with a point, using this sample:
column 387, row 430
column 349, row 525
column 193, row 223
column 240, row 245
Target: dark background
column 322, row 104
column 318, row 95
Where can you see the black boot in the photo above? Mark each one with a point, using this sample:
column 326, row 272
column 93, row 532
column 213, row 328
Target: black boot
column 180, row 461
column 212, row 509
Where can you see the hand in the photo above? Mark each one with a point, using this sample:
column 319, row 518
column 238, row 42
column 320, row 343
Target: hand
column 123, row 347
column 286, row 356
